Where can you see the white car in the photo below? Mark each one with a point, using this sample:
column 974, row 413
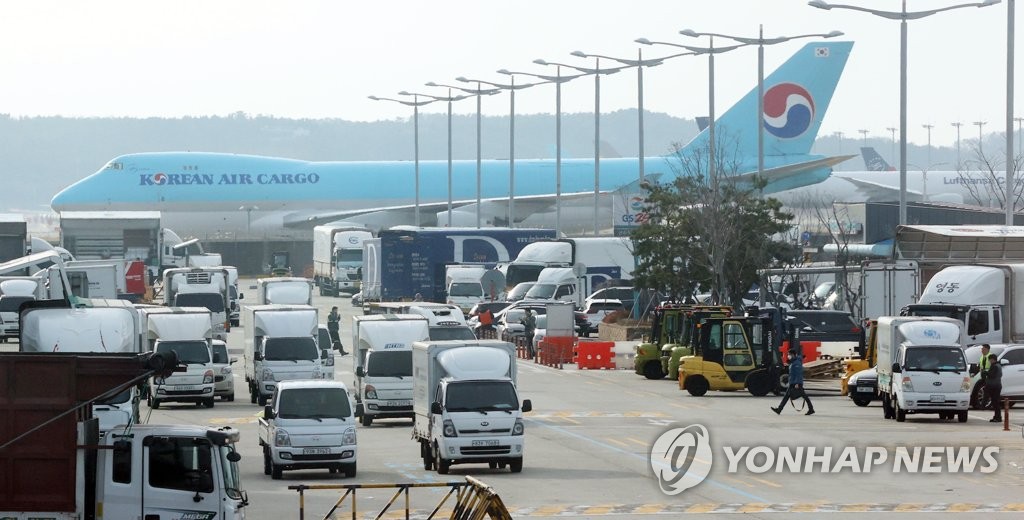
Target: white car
column 623, row 294
column 223, row 378
column 1013, row 372
column 596, row 310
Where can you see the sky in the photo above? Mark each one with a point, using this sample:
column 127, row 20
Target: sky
column 322, row 59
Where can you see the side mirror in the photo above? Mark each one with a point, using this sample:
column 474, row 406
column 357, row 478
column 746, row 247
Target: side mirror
column 241, row 296
column 359, row 410
column 527, row 406
column 257, row 356
column 1004, row 361
column 268, row 412
column 896, row 369
column 232, row 361
column 360, row 372
column 435, row 408
column 324, row 354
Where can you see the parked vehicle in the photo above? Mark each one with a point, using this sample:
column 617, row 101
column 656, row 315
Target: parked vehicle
column 382, row 363
column 887, row 286
column 458, row 386
column 338, row 258
column 284, row 290
column 13, row 293
column 323, row 340
column 201, row 287
column 601, row 259
column 921, row 367
column 188, row 332
column 596, row 310
column 474, row 313
column 14, row 237
column 446, row 320
column 308, row 425
column 468, row 285
column 733, row 353
column 624, row 294
column 979, row 397
column 280, row 345
column 519, row 291
column 827, row 325
column 223, row 378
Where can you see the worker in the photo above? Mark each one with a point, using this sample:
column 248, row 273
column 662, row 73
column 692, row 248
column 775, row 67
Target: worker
column 983, row 363
column 796, row 383
column 994, row 387
column 486, row 321
column 333, row 324
column 529, row 327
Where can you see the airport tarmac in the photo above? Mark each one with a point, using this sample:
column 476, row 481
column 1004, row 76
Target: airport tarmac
column 589, row 443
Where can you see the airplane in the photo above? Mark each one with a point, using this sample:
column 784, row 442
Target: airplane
column 874, row 162
column 224, row 195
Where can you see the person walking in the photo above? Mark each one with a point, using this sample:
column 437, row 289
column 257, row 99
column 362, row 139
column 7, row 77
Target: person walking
column 333, row 325
column 529, row 327
column 994, row 387
column 796, row 384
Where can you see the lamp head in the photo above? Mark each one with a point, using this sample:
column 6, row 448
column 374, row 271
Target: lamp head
column 405, row 93
column 833, row 34
column 539, row 61
column 987, row 3
column 820, row 4
column 643, row 41
column 579, row 54
column 463, row 79
column 431, row 84
column 375, row 98
column 689, row 32
column 505, row 71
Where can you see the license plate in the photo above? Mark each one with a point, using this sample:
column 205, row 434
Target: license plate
column 398, row 403
column 316, row 451
column 485, row 443
column 865, row 389
column 185, row 388
column 938, row 398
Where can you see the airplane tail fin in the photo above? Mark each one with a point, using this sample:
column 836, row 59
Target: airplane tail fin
column 873, row 162
column 796, row 97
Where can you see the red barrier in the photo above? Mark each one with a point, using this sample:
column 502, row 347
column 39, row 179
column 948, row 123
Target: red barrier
column 556, row 351
column 592, row 355
column 810, row 349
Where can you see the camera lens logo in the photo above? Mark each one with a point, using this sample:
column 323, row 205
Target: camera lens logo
column 788, row 110
column 681, row 458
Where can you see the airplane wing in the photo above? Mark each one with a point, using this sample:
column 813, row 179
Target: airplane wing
column 790, row 170
column 878, row 191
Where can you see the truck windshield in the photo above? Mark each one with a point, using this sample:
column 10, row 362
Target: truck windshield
column 469, row 396
column 212, row 301
column 232, row 482
column 315, row 403
column 451, row 333
column 220, row 354
column 950, row 311
column 12, row 303
column 542, row 291
column 950, row 359
column 189, row 352
column 395, row 363
column 516, row 274
column 350, row 257
column 290, row 349
column 120, row 398
column 465, row 289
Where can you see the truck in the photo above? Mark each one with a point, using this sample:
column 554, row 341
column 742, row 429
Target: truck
column 187, row 331
column 105, row 326
column 14, row 291
column 921, row 367
column 467, row 405
column 308, row 425
column 604, row 258
column 468, row 285
column 280, row 345
column 887, row 286
column 57, row 464
column 338, row 258
column 101, row 278
column 564, row 284
column 382, row 363
column 201, row 287
column 982, row 296
column 285, row 290
column 446, row 321
column 405, row 261
column 13, row 236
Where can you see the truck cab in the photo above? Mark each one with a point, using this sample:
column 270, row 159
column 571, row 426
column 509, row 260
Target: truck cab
column 195, row 384
column 309, row 425
column 201, row 287
column 382, row 363
column 280, row 345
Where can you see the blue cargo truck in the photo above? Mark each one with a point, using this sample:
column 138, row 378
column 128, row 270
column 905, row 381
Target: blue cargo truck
column 413, row 260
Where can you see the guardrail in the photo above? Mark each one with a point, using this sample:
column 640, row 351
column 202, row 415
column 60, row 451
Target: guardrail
column 474, row 500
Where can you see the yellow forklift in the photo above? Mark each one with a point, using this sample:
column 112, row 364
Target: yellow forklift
column 736, row 353
column 671, row 327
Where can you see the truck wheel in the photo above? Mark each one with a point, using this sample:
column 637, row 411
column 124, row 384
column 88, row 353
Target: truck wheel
column 516, row 466
column 696, row 385
column 275, row 471
column 322, row 291
column 350, row 470
column 442, row 465
column 266, row 460
column 861, row 400
column 230, row 397
column 208, row 403
column 366, row 420
column 759, row 383
column 887, row 406
column 979, row 398
column 901, row 414
column 154, row 404
column 262, row 400
column 252, row 393
column 961, row 416
column 652, row 370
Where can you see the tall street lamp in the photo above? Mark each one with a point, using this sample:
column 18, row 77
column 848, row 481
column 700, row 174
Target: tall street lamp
column 1019, row 134
column 929, row 128
column 449, row 99
column 980, row 124
column 478, row 92
column 863, row 137
column 902, row 16
column 957, row 124
column 892, row 131
column 557, row 80
column 761, row 41
column 512, row 88
column 597, row 71
column 415, row 104
column 839, row 133
column 1010, row 163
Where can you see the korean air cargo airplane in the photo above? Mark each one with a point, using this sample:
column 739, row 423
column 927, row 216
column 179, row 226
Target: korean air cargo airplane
column 231, row 195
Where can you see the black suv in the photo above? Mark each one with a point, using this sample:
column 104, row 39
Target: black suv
column 821, row 325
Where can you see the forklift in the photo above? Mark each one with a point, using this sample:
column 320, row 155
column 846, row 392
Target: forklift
column 738, row 352
column 280, row 264
column 670, row 329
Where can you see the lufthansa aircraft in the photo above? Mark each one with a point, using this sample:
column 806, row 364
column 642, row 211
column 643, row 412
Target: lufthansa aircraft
column 214, row 194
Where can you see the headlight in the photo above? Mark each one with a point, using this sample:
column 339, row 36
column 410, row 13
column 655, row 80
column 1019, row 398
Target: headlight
column 225, row 370
column 966, row 385
column 268, row 375
column 449, row 429
column 518, row 428
column 371, row 392
column 349, row 437
column 158, row 381
column 908, row 386
column 281, row 438
column 208, row 377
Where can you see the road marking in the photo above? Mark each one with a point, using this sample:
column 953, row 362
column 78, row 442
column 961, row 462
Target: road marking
column 645, row 444
column 751, row 507
column 616, row 441
column 599, row 415
column 766, row 482
column 233, row 420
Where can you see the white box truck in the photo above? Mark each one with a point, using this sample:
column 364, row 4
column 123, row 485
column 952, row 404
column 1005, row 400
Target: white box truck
column 468, row 285
column 280, row 345
column 308, row 425
column 466, row 404
column 382, row 363
column 887, row 286
column 338, row 257
column 201, row 287
column 921, row 367
column 187, row 331
column 604, row 258
column 284, row 290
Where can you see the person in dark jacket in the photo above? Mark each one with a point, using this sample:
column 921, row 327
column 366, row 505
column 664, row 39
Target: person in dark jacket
column 994, row 387
column 333, row 326
column 796, row 384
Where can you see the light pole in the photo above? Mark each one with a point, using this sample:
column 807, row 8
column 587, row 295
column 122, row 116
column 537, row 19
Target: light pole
column 512, row 88
column 980, row 124
column 449, row 99
column 863, row 137
column 557, row 80
column 761, row 41
column 597, row 72
column 902, row 16
column 1010, row 163
column 1019, row 134
column 929, row 128
column 710, row 50
column 415, row 104
column 893, row 147
column 478, row 92
column 839, row 133
column 957, row 124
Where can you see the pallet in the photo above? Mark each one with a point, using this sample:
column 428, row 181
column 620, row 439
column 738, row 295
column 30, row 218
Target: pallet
column 823, row 369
